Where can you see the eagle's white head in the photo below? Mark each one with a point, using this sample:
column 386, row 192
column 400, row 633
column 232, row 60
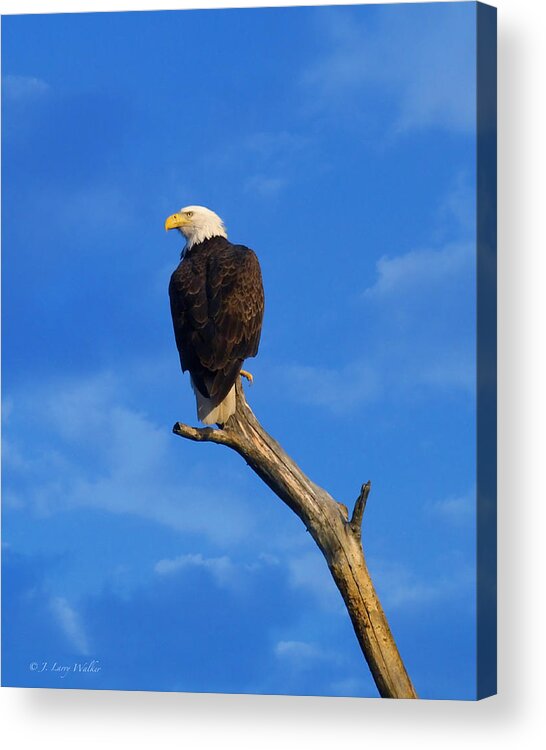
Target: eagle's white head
column 197, row 224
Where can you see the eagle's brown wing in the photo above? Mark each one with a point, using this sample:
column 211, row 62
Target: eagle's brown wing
column 217, row 303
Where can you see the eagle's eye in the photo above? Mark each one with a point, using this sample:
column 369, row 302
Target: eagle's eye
column 189, row 213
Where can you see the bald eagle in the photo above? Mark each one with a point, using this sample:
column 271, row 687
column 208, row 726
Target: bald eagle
column 217, row 307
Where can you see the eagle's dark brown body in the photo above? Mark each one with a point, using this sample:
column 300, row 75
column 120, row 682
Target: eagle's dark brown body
column 217, row 306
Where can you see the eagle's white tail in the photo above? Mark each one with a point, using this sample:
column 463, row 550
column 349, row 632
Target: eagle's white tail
column 219, row 414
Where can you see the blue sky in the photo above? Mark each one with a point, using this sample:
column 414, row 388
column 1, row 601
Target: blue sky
column 339, row 143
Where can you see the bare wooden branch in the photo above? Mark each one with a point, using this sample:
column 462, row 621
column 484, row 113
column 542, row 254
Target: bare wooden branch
column 360, row 507
column 327, row 521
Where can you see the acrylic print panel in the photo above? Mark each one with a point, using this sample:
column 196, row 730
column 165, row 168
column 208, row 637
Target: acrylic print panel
column 353, row 149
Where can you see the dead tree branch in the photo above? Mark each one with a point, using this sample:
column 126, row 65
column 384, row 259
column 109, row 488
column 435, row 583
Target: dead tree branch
column 360, row 507
column 327, row 520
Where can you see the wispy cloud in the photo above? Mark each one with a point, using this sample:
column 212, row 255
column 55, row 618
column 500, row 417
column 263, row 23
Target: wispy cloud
column 419, row 325
column 348, row 686
column 400, row 587
column 22, row 99
column 298, row 650
column 70, row 622
column 221, row 568
column 337, row 390
column 456, row 509
column 304, row 654
column 452, row 370
column 418, row 268
column 94, row 206
column 92, row 450
column 457, row 210
column 300, row 656
column 19, row 88
column 268, row 161
column 265, row 186
column 224, row 570
column 309, row 572
column 419, row 57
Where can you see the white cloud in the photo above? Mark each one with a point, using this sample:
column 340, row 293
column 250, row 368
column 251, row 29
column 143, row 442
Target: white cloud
column 422, row 272
column 91, row 450
column 393, row 370
column 23, row 88
column 420, row 59
column 12, row 500
column 224, row 570
column 399, row 587
column 348, row 686
column 452, row 370
column 459, row 205
column 309, row 571
column 271, row 145
column 417, row 268
column 337, row 390
column 303, row 654
column 300, row 650
column 70, row 622
column 457, row 509
column 96, row 206
column 12, row 458
column 420, row 337
column 266, row 160
column 271, row 152
column 7, row 409
column 265, row 558
column 221, row 568
column 265, row 186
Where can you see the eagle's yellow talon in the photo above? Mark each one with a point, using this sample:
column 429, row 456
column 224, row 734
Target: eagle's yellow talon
column 248, row 376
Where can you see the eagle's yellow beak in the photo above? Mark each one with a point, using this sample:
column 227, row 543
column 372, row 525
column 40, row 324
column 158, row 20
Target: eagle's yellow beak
column 175, row 221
